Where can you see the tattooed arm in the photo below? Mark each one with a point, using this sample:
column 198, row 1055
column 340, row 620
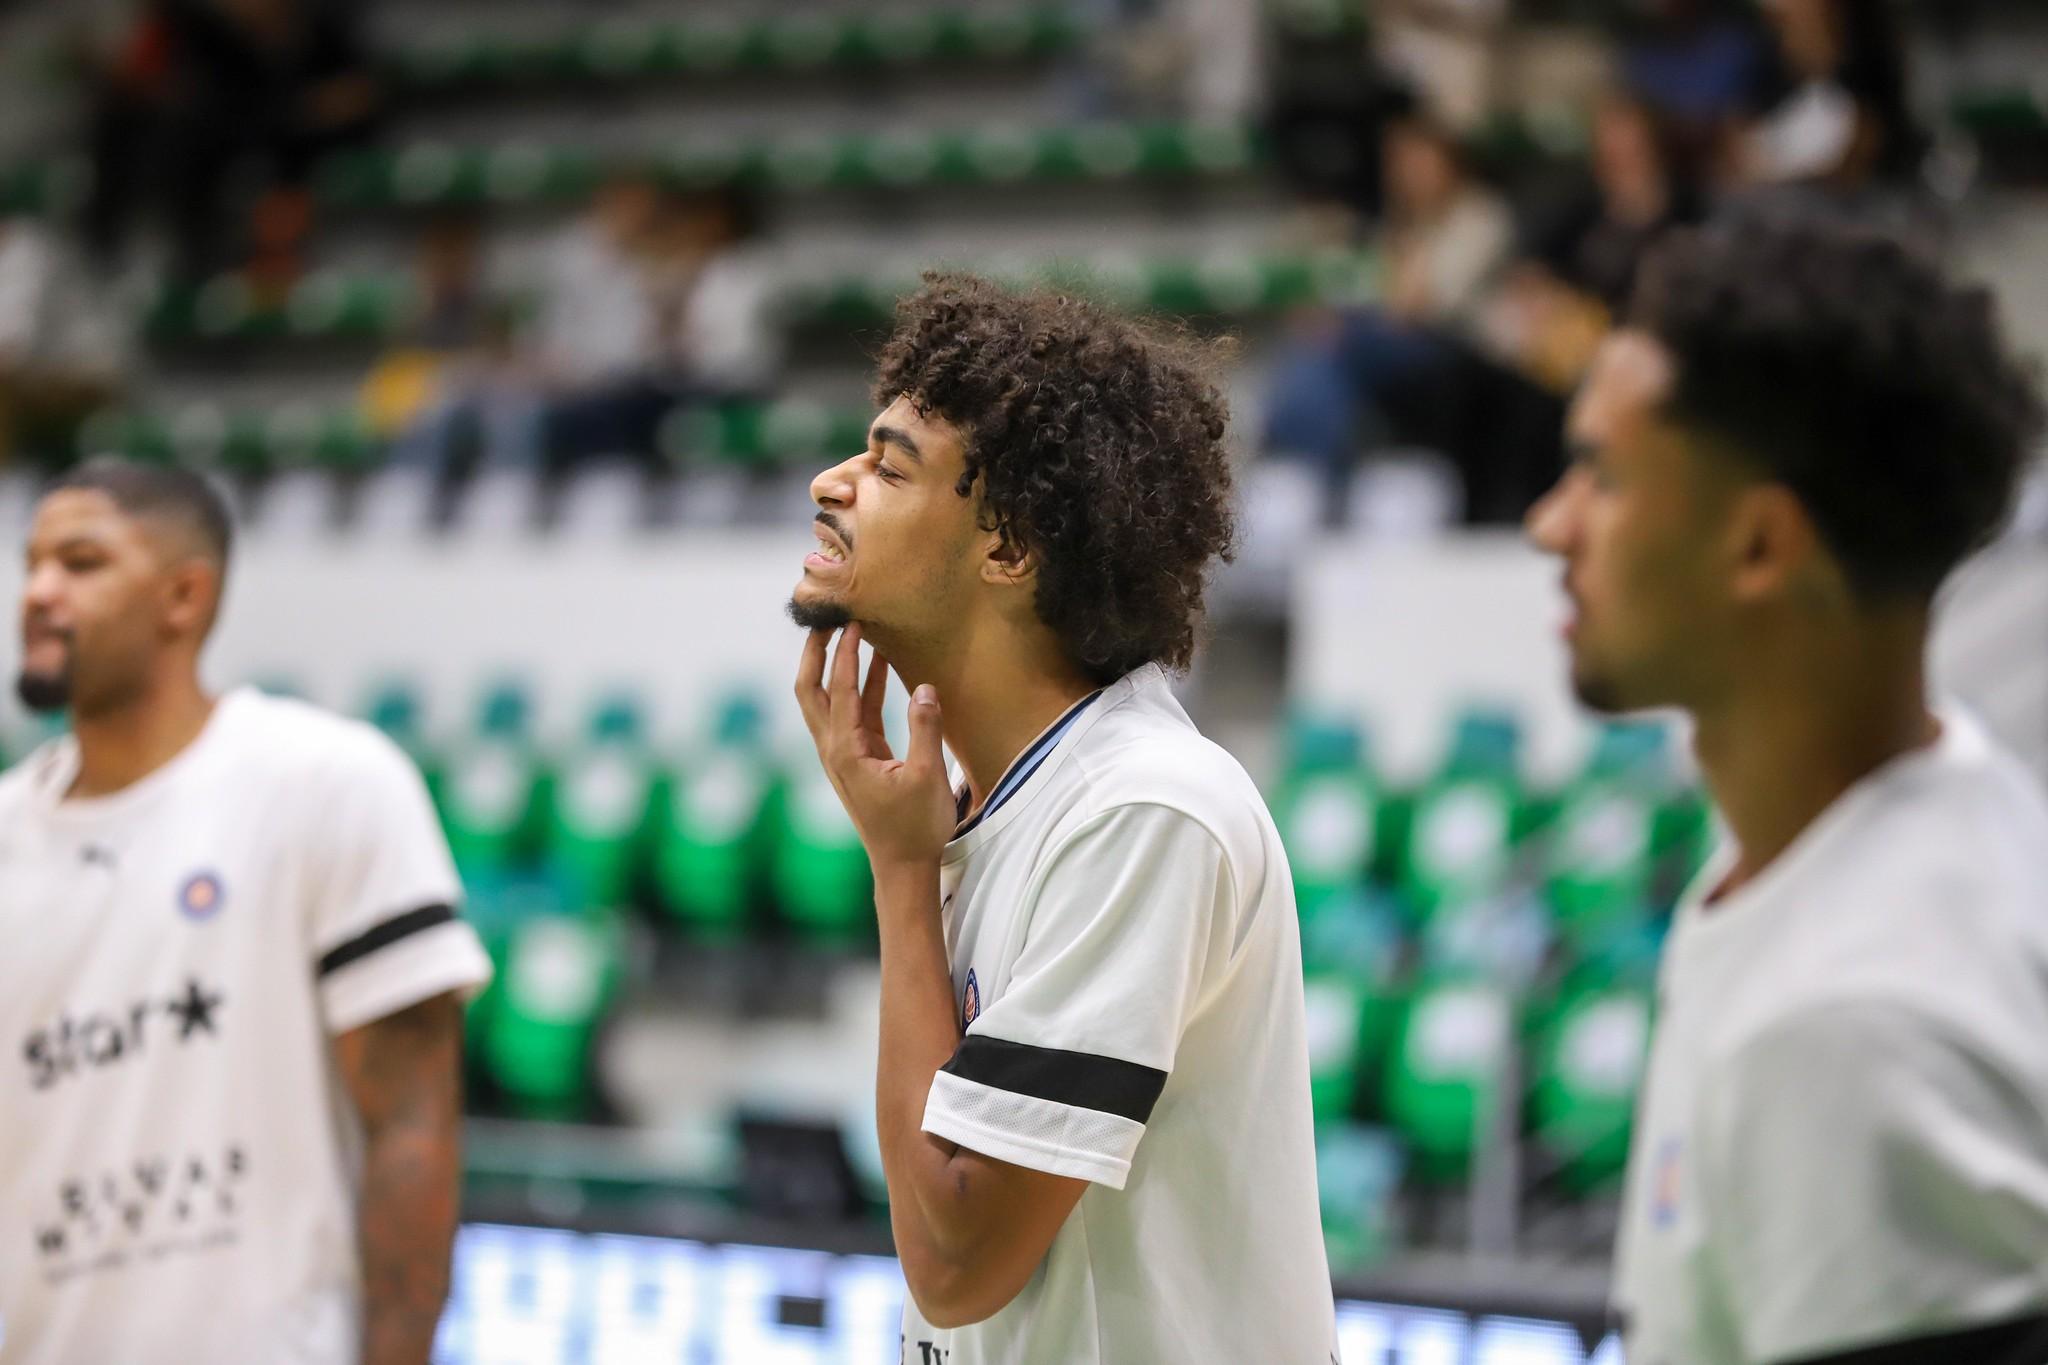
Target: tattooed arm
column 404, row 1072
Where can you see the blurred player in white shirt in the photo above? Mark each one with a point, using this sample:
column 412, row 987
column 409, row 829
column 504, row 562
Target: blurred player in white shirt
column 1842, row 1150
column 1092, row 1093
column 231, row 988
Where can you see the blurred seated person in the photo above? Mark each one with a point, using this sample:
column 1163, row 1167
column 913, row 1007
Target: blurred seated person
column 1838, row 119
column 200, row 87
column 1699, row 66
column 1448, row 51
column 652, row 303
column 60, row 351
column 1446, row 237
column 453, row 397
column 1579, row 265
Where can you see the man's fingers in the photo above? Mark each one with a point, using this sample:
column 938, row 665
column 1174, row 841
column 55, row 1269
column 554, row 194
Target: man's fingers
column 873, row 692
column 844, row 685
column 810, row 673
column 925, row 754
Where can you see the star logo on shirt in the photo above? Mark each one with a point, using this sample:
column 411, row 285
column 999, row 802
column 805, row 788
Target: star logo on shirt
column 194, row 1009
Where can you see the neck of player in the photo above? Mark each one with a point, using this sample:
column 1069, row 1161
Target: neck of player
column 1817, row 710
column 999, row 688
column 122, row 745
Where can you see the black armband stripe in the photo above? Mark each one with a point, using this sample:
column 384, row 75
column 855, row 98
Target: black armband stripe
column 1084, row 1080
column 2022, row 1341
column 384, row 934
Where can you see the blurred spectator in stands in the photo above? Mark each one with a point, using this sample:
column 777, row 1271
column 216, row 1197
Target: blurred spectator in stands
column 200, row 89
column 453, row 397
column 1331, row 103
column 1204, row 58
column 1447, row 51
column 1446, row 238
column 1699, row 66
column 652, row 303
column 60, row 354
column 1579, row 263
column 1838, row 118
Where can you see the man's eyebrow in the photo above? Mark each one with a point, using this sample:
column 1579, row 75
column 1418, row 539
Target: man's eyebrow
column 78, row 541
column 1581, row 450
column 895, row 436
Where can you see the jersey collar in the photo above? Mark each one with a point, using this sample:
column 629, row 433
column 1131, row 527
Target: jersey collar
column 1021, row 767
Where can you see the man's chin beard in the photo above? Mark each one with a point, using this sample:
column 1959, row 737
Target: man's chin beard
column 44, row 693
column 1603, row 695
column 825, row 615
column 1595, row 696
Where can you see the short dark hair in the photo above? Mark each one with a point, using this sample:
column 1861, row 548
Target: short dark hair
column 145, row 490
column 1847, row 366
column 1096, row 441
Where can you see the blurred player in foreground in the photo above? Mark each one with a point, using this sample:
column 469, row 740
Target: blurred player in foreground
column 230, row 987
column 1093, row 1081
column 1842, row 1151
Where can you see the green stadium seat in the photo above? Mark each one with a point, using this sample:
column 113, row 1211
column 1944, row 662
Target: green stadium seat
column 710, row 826
column 494, row 787
column 558, row 974
column 1589, row 1062
column 205, row 435
column 1328, row 810
column 1444, row 1073
column 818, row 871
column 1463, row 824
column 429, row 174
column 1353, row 957
column 1358, row 1180
column 1602, row 855
column 397, row 707
column 597, row 815
column 331, row 308
column 627, row 49
column 2004, row 111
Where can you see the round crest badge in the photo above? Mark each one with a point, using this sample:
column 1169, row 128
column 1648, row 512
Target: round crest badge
column 201, row 896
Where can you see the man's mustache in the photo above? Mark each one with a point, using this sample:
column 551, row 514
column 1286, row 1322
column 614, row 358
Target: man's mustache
column 831, row 523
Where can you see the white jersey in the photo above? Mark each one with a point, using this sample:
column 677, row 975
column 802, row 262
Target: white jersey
column 1121, row 926
column 1843, row 1138
column 177, row 1152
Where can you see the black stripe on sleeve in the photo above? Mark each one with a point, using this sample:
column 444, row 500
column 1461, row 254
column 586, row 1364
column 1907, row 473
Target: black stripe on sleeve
column 1084, row 1080
column 2023, row 1341
column 384, row 934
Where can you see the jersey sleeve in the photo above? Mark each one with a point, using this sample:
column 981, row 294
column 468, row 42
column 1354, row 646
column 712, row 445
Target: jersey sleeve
column 385, row 932
column 1061, row 1070
column 1869, row 1175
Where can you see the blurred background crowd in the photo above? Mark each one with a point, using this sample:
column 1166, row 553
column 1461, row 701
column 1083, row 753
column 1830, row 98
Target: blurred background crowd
column 461, row 295
column 536, row 237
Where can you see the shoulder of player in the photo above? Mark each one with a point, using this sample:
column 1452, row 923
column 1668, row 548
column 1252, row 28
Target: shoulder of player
column 294, row 741
column 17, row 783
column 1859, row 1032
column 1174, row 775
column 1965, row 840
column 1179, row 768
column 1957, row 958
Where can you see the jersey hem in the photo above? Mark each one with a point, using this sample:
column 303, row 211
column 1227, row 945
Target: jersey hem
column 1051, row 1157
column 446, row 958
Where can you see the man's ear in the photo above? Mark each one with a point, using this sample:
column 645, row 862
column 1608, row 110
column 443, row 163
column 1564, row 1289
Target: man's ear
column 1008, row 561
column 1774, row 545
column 191, row 596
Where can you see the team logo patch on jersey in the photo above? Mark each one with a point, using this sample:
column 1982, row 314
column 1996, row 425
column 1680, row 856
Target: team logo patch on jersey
column 970, row 1000
column 1664, row 1187
column 201, row 895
